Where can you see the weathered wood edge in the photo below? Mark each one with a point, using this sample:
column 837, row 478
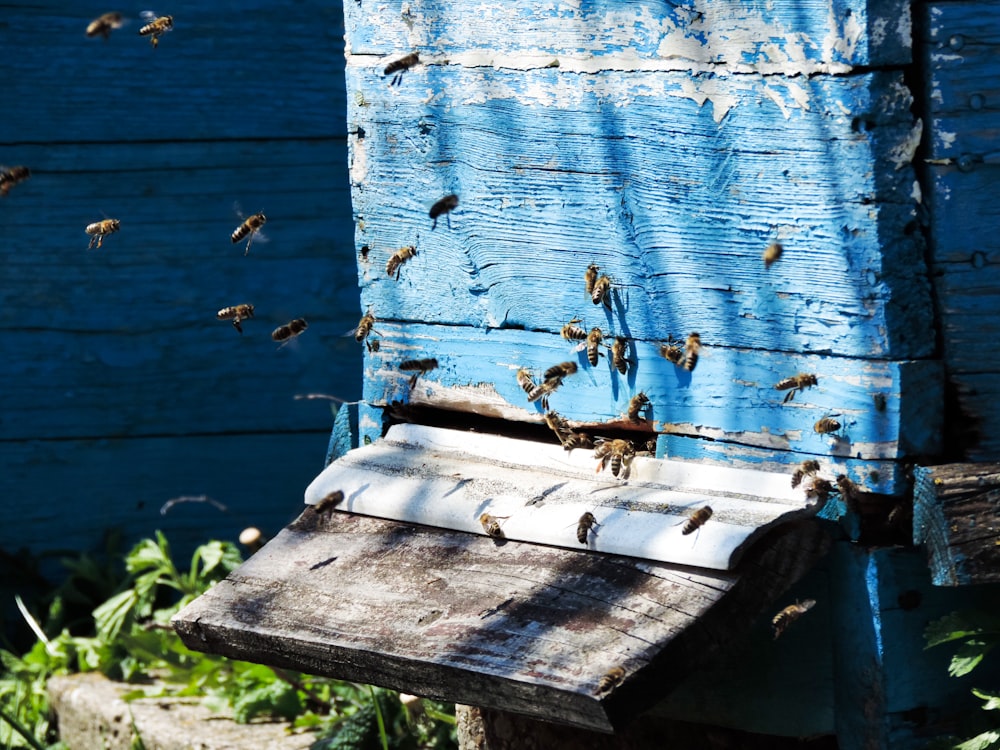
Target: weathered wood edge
column 955, row 513
column 239, row 622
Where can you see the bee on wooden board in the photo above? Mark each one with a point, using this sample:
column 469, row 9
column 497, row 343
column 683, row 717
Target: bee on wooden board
column 601, row 291
column 619, row 354
column 364, row 329
column 289, row 331
column 444, row 206
column 329, row 501
column 637, row 403
column 692, row 348
column 11, row 176
column 418, row 367
column 671, row 352
column 790, row 614
column 491, row 525
column 558, row 425
column 397, row 67
column 806, row 469
column 771, row 254
column 613, row 677
column 578, row 440
column 101, row 229
column 826, row 425
column 618, row 452
column 526, row 381
column 590, row 278
column 594, row 339
column 398, row 258
column 572, row 332
column 697, row 519
column 104, row 24
column 237, row 314
column 795, row 383
column 155, row 26
column 249, row 229
column 587, row 522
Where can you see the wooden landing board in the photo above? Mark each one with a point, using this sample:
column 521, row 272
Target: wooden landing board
column 955, row 509
column 672, row 185
column 538, row 492
column 514, row 626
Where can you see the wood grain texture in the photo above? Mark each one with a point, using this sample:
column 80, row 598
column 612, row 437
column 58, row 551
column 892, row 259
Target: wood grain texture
column 782, row 36
column 673, row 199
column 515, row 626
column 954, row 516
column 959, row 50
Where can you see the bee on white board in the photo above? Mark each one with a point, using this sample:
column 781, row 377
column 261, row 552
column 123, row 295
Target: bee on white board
column 491, row 525
column 584, row 526
column 101, row 229
column 155, row 26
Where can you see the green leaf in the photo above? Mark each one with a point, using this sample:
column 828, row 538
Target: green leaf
column 985, row 741
column 961, row 624
column 968, row 656
column 992, row 699
column 110, row 616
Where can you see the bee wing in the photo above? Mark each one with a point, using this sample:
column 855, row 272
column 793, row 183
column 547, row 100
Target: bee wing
column 148, row 16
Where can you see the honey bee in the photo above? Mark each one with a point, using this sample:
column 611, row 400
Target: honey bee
column 613, row 677
column 329, row 501
column 795, row 383
column 578, row 440
column 248, row 229
column 619, row 354
column 572, row 332
column 11, row 176
column 491, row 525
column 806, row 469
column 560, row 371
column 237, row 314
column 771, row 254
column 102, row 25
column 848, row 492
column 101, row 229
column 697, row 520
column 790, row 614
column 692, row 348
column 400, row 66
column 600, row 291
column 826, row 425
column 594, row 339
column 619, row 452
column 444, row 206
column 155, row 26
column 398, row 258
column 289, row 331
column 418, row 367
column 364, row 328
column 583, row 527
column 671, row 352
column 638, row 402
column 525, row 380
column 820, row 489
column 558, row 425
column 590, row 278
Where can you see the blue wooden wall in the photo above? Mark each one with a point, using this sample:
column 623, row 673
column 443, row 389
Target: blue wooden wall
column 120, row 388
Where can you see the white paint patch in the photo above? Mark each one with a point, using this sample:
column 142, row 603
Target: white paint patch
column 902, row 153
column 944, row 139
column 916, row 193
column 359, row 161
column 904, row 26
column 878, row 31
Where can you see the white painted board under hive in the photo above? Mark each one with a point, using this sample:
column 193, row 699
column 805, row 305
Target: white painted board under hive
column 538, row 492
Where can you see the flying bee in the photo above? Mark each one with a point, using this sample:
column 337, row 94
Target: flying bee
column 848, row 492
column 578, row 440
column 418, row 367
column 806, row 469
column 155, row 26
column 601, row 290
column 560, row 371
column 329, row 501
column 594, row 339
column 586, row 523
column 397, row 67
column 103, row 24
column 613, row 677
column 620, row 454
column 820, row 489
column 364, row 328
column 525, row 380
column 558, row 425
column 638, row 402
column 289, row 331
column 590, row 278
column 692, row 348
column 11, row 176
column 101, row 229
column 771, row 254
column 444, row 206
column 697, row 519
column 795, row 383
column 249, row 228
column 826, row 425
column 491, row 525
column 398, row 258
column 237, row 314
column 790, row 614
column 572, row 332
column 671, row 352
column 619, row 354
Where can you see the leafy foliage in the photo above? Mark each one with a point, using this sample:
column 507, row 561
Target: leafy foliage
column 129, row 638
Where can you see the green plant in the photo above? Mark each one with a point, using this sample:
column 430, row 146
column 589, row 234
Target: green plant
column 977, row 633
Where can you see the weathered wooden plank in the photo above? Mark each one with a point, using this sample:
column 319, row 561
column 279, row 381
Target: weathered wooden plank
column 62, row 495
column 520, row 627
column 208, row 78
column 783, row 36
column 959, row 51
column 674, row 200
column 955, row 517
